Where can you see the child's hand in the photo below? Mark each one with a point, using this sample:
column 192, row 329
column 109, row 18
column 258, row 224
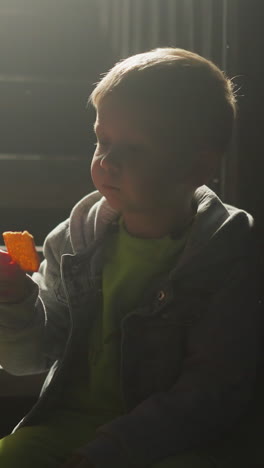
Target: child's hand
column 13, row 280
column 77, row 461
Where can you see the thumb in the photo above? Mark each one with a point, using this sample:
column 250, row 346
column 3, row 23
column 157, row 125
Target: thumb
column 5, row 258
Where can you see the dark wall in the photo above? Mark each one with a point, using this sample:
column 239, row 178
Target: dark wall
column 51, row 54
column 251, row 127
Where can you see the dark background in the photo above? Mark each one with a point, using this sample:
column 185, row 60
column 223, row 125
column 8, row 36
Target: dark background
column 51, row 53
column 251, row 122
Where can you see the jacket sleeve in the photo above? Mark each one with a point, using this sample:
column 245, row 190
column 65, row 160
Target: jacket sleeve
column 214, row 389
column 33, row 333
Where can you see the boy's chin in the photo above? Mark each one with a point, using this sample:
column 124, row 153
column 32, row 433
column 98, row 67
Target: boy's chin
column 113, row 199
column 114, row 205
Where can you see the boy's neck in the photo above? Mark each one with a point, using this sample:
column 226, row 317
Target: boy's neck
column 158, row 225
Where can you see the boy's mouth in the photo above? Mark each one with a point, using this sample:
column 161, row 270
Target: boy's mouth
column 110, row 187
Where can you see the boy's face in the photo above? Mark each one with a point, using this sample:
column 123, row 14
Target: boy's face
column 134, row 162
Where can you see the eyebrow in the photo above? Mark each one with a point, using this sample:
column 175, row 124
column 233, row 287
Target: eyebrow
column 136, row 146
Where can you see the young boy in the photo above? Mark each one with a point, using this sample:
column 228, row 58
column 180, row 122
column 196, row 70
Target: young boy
column 145, row 310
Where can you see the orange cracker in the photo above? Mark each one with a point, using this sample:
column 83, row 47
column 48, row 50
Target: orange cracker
column 22, row 250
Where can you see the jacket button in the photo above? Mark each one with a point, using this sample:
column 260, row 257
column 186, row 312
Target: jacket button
column 161, row 295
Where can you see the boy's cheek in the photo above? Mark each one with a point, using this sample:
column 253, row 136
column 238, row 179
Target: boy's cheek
column 95, row 172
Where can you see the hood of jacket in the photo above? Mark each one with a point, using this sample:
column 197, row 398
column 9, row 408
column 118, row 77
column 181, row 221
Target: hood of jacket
column 217, row 227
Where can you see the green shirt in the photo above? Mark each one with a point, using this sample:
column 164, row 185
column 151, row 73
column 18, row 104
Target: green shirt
column 131, row 263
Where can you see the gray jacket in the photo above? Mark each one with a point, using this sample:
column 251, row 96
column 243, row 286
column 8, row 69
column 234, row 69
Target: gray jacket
column 189, row 351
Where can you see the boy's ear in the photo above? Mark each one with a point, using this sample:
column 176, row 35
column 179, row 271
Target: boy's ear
column 204, row 167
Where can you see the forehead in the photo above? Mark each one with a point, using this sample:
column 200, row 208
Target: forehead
column 124, row 115
column 133, row 122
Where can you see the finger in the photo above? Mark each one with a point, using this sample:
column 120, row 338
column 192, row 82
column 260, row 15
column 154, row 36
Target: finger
column 9, row 268
column 5, row 258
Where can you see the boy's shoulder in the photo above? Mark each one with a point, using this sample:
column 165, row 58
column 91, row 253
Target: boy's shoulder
column 219, row 229
column 220, row 246
column 88, row 220
column 58, row 241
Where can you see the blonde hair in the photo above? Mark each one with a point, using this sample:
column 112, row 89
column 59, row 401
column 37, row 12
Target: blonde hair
column 195, row 94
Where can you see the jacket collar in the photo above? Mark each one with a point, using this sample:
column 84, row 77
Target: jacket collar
column 218, row 229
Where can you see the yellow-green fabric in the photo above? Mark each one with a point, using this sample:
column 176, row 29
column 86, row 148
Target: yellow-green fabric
column 131, row 264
